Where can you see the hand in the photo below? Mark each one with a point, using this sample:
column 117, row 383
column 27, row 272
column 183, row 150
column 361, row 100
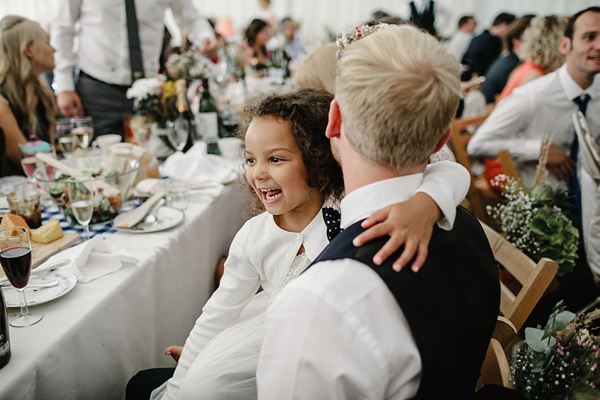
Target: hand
column 559, row 163
column 410, row 223
column 69, row 104
column 174, row 351
column 209, row 48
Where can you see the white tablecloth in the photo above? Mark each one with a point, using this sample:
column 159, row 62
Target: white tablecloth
column 95, row 338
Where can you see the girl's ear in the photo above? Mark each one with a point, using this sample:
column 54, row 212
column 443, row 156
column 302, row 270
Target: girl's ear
column 28, row 52
column 335, row 120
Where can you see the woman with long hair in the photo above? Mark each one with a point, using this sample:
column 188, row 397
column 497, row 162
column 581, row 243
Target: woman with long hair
column 27, row 106
column 254, row 51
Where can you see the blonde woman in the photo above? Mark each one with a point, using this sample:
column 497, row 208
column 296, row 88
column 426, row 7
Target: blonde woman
column 540, row 50
column 318, row 68
column 26, row 105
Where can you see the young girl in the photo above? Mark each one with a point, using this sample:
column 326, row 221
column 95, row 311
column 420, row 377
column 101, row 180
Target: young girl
column 291, row 170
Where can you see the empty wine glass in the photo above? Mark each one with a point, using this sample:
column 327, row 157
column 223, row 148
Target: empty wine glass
column 178, row 133
column 15, row 257
column 81, row 197
column 83, row 131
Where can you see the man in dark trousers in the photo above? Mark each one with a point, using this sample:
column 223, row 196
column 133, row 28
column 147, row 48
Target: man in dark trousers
column 486, row 47
column 347, row 328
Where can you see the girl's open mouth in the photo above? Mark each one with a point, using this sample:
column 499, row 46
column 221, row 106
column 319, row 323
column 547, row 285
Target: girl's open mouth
column 270, row 195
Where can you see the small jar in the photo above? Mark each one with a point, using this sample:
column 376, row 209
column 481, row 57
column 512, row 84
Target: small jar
column 28, row 206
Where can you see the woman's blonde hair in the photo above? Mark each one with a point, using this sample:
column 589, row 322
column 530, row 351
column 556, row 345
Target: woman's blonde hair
column 17, row 77
column 397, row 90
column 318, row 69
column 540, row 41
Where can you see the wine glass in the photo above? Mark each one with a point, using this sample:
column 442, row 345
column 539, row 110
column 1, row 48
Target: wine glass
column 81, row 197
column 83, row 131
column 178, row 133
column 66, row 141
column 15, row 257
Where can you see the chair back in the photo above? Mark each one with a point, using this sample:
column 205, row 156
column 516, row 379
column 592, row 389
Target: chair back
column 533, row 278
column 508, row 165
column 496, row 368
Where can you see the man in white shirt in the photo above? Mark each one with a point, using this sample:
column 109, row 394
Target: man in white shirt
column 457, row 46
column 102, row 54
column 347, row 328
column 544, row 107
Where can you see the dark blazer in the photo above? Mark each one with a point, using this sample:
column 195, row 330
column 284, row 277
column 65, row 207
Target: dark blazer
column 480, row 54
column 497, row 76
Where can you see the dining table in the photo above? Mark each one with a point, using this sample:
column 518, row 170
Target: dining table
column 93, row 339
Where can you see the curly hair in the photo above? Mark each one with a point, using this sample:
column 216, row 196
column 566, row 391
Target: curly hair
column 540, row 41
column 306, row 111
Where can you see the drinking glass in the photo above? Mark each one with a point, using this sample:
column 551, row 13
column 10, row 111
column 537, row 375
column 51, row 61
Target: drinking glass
column 81, row 197
column 83, row 131
column 177, row 134
column 66, row 141
column 15, row 257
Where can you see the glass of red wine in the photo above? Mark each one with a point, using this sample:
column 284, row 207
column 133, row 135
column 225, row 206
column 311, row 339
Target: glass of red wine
column 15, row 257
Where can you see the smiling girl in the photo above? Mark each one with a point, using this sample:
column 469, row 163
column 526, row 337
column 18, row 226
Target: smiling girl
column 291, row 170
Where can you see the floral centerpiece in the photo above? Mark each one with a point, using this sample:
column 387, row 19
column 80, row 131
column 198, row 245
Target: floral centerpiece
column 191, row 65
column 155, row 99
column 538, row 219
column 560, row 360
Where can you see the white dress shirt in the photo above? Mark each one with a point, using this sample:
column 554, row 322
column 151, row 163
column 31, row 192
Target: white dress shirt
column 457, row 46
column 337, row 332
column 103, row 50
column 261, row 254
column 442, row 13
column 534, row 111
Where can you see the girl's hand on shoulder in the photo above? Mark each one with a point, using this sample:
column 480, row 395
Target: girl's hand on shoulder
column 174, row 351
column 409, row 223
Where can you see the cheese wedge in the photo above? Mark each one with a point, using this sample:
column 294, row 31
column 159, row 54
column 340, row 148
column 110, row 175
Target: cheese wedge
column 48, row 232
column 12, row 220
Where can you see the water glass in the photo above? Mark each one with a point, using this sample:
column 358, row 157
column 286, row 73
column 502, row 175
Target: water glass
column 176, row 193
column 81, row 198
column 83, row 131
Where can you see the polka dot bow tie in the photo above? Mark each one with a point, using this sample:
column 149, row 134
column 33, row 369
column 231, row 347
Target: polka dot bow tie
column 332, row 221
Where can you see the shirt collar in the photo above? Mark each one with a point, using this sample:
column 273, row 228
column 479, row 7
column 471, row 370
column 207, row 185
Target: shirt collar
column 572, row 89
column 366, row 200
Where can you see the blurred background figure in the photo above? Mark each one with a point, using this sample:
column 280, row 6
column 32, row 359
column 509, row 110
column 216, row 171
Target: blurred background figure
column 318, row 69
column 253, row 54
column 267, row 15
column 429, row 15
column 27, row 106
column 458, row 44
column 498, row 73
column 377, row 15
column 293, row 45
column 540, row 50
column 486, row 47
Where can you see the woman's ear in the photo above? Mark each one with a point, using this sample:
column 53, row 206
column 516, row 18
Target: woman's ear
column 443, row 140
column 28, row 51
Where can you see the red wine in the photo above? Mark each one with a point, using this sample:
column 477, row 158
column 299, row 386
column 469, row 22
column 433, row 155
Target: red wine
column 4, row 339
column 16, row 263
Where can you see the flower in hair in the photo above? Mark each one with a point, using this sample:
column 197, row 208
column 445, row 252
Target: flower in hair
column 356, row 33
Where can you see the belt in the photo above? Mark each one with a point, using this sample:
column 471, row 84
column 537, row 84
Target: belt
column 82, row 74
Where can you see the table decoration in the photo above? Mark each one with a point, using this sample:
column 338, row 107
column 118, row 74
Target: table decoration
column 560, row 360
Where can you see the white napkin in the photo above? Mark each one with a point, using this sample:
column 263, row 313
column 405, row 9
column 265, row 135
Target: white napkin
column 199, row 168
column 92, row 259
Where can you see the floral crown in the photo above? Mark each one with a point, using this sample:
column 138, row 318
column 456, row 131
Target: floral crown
column 356, row 33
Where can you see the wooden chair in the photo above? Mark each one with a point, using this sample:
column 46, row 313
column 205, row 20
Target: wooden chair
column 480, row 191
column 533, row 278
column 496, row 368
column 508, row 166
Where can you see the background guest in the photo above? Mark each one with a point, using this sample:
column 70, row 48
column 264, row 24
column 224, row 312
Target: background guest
column 103, row 55
column 540, row 51
column 26, row 105
column 497, row 74
column 458, row 44
column 293, row 42
column 486, row 47
column 318, row 68
column 431, row 16
column 254, row 53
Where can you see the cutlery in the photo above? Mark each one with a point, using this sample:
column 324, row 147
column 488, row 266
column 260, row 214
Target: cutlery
column 32, row 285
column 131, row 218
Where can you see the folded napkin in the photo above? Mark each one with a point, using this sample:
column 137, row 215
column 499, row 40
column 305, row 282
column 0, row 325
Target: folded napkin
column 92, row 259
column 199, row 168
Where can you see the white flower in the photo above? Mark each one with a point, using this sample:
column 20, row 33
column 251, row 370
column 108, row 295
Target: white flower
column 142, row 88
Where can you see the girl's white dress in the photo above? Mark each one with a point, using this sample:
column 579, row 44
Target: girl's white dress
column 220, row 356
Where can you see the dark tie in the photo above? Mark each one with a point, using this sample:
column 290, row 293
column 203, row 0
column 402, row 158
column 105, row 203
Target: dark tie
column 332, row 221
column 135, row 50
column 582, row 102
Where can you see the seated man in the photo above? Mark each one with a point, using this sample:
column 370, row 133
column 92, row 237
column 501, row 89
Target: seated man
column 347, row 328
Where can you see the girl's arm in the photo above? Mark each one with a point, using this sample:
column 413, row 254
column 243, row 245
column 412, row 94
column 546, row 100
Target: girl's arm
column 238, row 286
column 410, row 223
column 12, row 134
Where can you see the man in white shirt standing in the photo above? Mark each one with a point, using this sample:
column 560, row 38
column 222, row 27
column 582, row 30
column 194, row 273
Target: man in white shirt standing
column 457, row 46
column 347, row 328
column 102, row 56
